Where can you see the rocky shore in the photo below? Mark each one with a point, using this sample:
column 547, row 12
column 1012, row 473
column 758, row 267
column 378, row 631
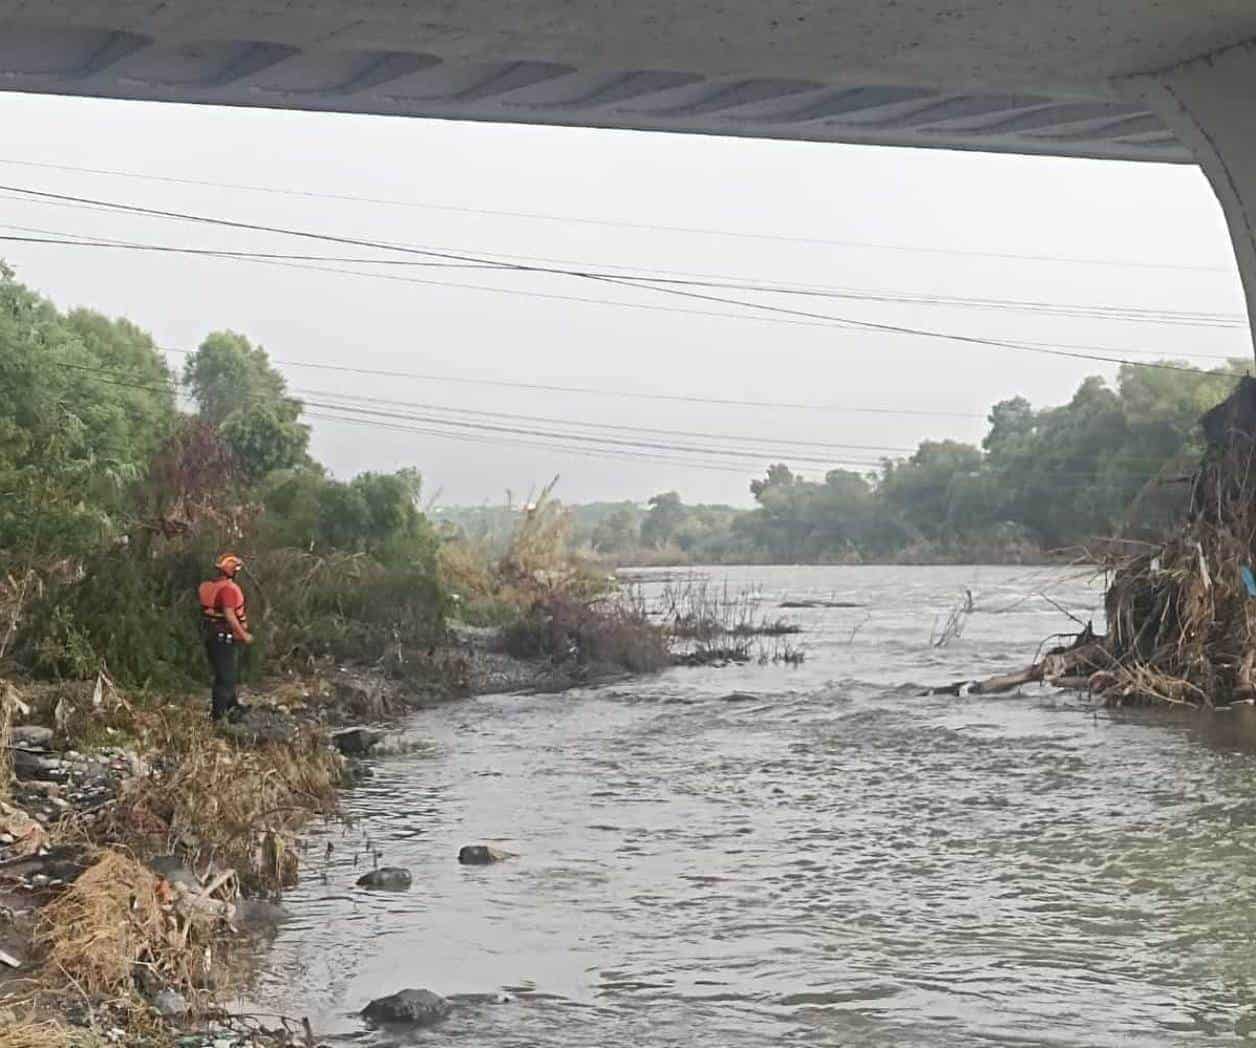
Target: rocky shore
column 84, row 763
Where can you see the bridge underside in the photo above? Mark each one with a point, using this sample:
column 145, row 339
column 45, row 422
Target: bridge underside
column 1159, row 80
column 1023, row 77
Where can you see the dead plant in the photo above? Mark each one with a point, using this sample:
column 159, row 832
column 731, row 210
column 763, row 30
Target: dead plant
column 119, row 920
column 35, row 1035
column 217, row 801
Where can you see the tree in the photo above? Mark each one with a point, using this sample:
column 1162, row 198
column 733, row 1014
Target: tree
column 618, row 533
column 920, row 488
column 237, row 389
column 666, row 514
column 375, row 513
column 779, row 476
column 78, row 420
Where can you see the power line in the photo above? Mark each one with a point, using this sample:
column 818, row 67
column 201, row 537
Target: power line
column 598, row 425
column 497, row 442
column 619, row 224
column 509, row 437
column 580, row 438
column 902, row 329
column 1189, row 318
column 593, row 391
column 1037, row 348
column 620, row 447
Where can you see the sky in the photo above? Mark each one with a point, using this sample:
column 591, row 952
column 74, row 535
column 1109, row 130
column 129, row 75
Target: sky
column 720, row 388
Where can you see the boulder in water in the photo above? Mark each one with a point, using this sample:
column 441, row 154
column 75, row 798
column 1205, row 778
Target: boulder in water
column 356, row 742
column 413, row 1007
column 389, row 878
column 258, row 914
column 481, row 855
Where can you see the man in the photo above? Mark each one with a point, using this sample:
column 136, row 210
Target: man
column 226, row 628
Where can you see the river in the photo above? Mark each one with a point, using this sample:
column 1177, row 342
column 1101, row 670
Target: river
column 810, row 855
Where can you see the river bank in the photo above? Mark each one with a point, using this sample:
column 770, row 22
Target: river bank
column 142, row 850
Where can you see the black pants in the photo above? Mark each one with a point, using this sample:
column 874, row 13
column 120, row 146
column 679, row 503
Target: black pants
column 223, row 652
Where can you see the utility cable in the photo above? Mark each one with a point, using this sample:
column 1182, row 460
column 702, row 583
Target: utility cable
column 620, row 224
column 614, row 281
column 172, row 385
column 1067, row 310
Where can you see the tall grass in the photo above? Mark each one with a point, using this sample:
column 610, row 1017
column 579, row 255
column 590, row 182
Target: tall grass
column 713, row 623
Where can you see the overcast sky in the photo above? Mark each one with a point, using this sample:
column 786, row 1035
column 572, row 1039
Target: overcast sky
column 756, row 211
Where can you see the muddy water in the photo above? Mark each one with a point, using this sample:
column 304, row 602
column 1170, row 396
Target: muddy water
column 818, row 859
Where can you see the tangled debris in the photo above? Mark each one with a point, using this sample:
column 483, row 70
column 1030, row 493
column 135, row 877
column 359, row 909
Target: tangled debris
column 1182, row 615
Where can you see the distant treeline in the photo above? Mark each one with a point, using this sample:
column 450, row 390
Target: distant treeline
column 1110, row 462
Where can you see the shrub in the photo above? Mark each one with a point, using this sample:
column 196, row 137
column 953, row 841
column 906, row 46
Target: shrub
column 608, row 632
column 346, row 606
column 138, row 615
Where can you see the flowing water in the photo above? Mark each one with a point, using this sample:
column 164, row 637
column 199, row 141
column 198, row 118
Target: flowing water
column 766, row 855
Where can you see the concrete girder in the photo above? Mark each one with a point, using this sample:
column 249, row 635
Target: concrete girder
column 1210, row 104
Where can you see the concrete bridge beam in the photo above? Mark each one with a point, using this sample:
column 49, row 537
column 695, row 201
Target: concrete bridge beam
column 1210, row 104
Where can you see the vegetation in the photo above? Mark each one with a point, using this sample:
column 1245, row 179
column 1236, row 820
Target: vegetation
column 550, row 603
column 1108, row 463
column 113, row 504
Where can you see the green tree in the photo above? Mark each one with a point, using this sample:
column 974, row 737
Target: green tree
column 78, row 420
column 237, row 389
column 666, row 514
column 618, row 533
column 920, row 489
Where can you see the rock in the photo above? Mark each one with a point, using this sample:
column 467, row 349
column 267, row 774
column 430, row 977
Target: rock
column 173, row 870
column 28, row 765
column 481, row 854
column 414, row 1007
column 170, row 1003
column 356, row 770
column 62, row 863
column 360, row 698
column 31, row 737
column 390, row 878
column 9, row 959
column 254, row 914
column 260, row 725
column 355, row 742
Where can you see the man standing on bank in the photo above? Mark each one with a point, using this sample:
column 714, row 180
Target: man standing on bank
column 226, row 628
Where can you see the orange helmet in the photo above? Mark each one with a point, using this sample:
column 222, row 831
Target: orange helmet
column 228, row 564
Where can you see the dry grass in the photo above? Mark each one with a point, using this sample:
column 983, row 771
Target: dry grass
column 712, row 624
column 8, row 701
column 228, row 808
column 539, row 562
column 118, row 919
column 35, row 1035
column 466, row 570
column 238, row 806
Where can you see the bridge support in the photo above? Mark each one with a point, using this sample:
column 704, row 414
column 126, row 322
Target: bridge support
column 1210, row 103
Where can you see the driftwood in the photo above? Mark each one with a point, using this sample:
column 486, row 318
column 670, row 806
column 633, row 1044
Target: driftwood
column 991, row 685
column 1083, row 665
column 1181, row 614
column 820, row 604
